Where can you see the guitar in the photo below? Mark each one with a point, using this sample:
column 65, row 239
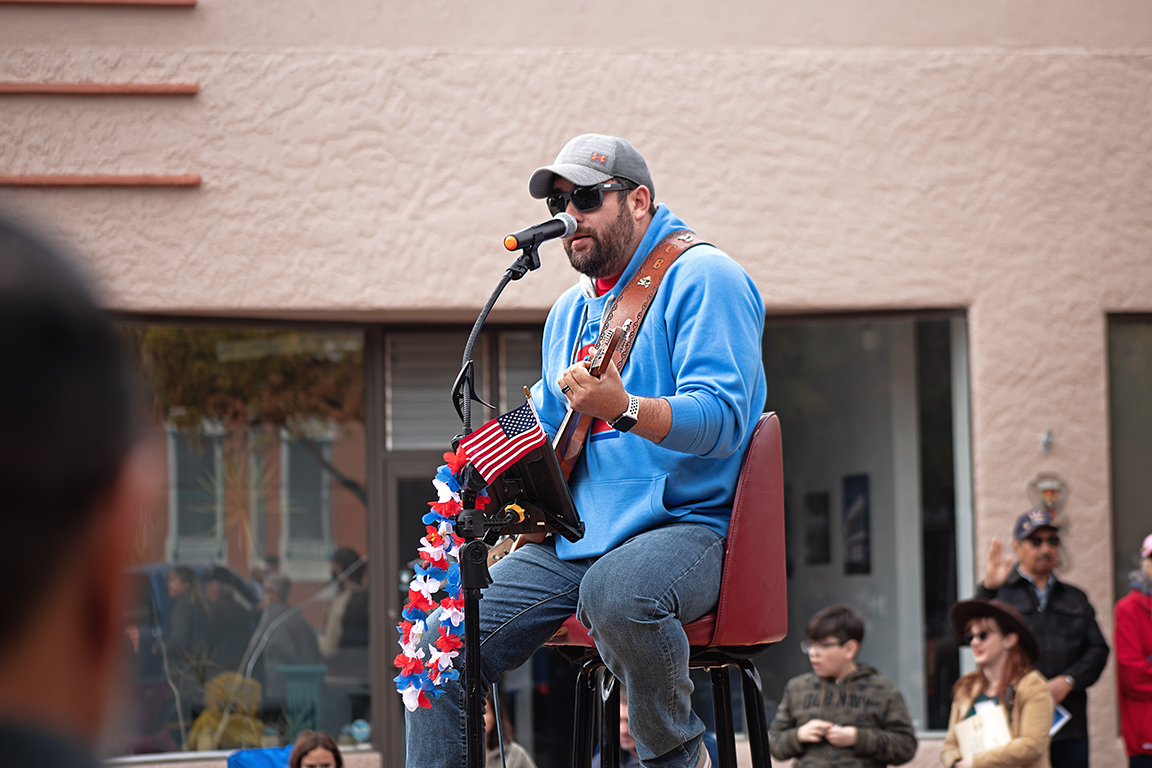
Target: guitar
column 571, row 436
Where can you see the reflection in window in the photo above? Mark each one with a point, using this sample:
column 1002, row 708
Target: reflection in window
column 196, row 498
column 266, row 468
column 306, row 499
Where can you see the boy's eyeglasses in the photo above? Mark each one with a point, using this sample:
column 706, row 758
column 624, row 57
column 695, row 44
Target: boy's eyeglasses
column 583, row 198
column 981, row 636
column 808, row 647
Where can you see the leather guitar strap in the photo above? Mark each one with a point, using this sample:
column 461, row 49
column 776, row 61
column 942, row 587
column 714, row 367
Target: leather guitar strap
column 634, row 299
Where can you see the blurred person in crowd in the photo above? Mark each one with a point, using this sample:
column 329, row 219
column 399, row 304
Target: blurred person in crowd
column 346, row 623
column 260, row 571
column 1073, row 651
column 515, row 756
column 71, row 483
column 1005, row 652
column 286, row 639
column 315, row 749
column 229, row 624
column 1134, row 661
column 344, row 643
column 187, row 617
column 629, row 758
column 841, row 713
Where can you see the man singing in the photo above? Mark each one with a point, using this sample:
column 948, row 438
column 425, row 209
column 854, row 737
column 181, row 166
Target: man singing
column 656, row 481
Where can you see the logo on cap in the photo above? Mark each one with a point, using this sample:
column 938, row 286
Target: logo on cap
column 598, row 158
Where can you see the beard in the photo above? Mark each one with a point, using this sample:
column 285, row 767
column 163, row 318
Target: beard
column 609, row 251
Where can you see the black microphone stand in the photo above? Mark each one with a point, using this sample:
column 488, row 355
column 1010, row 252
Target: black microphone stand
column 473, row 526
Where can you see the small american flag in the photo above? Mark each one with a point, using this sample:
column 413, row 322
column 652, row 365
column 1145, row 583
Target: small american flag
column 503, row 441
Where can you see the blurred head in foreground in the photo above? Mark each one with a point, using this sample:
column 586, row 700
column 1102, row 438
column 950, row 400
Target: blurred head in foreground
column 71, row 482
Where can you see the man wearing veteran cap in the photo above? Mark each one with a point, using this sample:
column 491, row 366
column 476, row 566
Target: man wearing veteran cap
column 655, row 484
column 1073, row 651
column 1134, row 661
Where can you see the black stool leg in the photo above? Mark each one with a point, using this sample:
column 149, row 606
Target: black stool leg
column 609, row 720
column 755, row 717
column 722, row 710
column 585, row 714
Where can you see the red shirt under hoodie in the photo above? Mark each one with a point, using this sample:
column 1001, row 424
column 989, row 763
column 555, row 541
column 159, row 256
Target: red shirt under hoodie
column 1134, row 667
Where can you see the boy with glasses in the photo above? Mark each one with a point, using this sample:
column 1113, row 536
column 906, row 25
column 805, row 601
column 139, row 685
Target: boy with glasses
column 1073, row 651
column 841, row 714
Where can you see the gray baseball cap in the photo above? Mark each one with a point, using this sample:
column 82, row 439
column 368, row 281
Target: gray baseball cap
column 592, row 159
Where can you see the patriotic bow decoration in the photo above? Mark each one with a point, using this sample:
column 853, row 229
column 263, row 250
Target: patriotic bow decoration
column 491, row 449
column 423, row 675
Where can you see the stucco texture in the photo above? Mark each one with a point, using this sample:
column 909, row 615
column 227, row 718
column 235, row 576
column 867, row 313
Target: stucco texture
column 370, row 183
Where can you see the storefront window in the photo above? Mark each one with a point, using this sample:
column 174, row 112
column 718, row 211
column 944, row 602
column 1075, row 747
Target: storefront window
column 237, row 636
column 1130, row 382
column 867, row 413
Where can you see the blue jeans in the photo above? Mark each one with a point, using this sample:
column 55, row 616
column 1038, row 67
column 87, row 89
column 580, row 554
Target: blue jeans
column 634, row 600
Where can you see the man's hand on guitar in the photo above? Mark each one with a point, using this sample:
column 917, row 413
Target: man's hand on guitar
column 604, row 397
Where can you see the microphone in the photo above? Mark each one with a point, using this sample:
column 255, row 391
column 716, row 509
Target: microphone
column 561, row 225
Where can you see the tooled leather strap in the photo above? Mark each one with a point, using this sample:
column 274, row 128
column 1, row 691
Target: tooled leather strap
column 634, row 299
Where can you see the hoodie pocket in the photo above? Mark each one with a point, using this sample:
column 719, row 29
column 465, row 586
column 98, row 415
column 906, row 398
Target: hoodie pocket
column 615, row 510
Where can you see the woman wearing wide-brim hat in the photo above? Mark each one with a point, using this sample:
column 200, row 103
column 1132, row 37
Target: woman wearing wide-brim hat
column 1005, row 652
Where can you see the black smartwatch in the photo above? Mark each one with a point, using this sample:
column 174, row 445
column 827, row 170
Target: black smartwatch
column 627, row 420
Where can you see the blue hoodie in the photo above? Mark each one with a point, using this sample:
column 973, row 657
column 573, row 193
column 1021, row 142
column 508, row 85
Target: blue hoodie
column 699, row 348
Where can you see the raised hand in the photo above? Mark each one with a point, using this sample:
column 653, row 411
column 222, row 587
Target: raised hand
column 999, row 566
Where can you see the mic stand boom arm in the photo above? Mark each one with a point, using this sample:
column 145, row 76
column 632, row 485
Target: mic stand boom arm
column 472, row 526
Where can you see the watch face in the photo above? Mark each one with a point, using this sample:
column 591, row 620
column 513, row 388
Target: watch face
column 624, row 423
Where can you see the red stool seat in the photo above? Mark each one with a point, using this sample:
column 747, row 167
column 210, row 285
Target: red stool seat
column 574, row 634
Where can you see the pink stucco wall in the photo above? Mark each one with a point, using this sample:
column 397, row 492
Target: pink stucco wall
column 365, row 161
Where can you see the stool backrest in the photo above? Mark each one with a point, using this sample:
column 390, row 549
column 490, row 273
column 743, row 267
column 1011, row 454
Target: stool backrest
column 753, row 605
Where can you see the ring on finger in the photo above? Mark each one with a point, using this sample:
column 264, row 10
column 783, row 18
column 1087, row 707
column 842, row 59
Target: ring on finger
column 565, row 389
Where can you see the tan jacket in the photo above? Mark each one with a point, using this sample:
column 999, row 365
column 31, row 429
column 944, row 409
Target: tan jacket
column 1029, row 721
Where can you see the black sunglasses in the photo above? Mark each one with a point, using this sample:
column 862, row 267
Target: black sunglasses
column 981, row 636
column 584, row 198
column 1038, row 541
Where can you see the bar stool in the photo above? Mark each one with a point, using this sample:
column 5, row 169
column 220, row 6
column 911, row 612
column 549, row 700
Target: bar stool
column 751, row 614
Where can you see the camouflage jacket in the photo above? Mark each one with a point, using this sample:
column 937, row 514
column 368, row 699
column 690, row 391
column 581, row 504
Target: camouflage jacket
column 884, row 734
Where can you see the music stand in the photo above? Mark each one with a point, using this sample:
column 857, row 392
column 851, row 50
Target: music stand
column 534, row 496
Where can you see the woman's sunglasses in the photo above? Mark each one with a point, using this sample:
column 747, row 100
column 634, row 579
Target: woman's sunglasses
column 583, row 198
column 981, row 636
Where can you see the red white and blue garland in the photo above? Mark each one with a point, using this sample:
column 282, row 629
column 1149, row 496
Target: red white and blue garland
column 420, row 677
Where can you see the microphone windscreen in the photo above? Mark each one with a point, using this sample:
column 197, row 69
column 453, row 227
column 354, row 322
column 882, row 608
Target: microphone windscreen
column 569, row 224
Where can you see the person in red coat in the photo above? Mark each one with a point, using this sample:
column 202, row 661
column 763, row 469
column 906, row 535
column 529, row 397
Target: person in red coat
column 1134, row 662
